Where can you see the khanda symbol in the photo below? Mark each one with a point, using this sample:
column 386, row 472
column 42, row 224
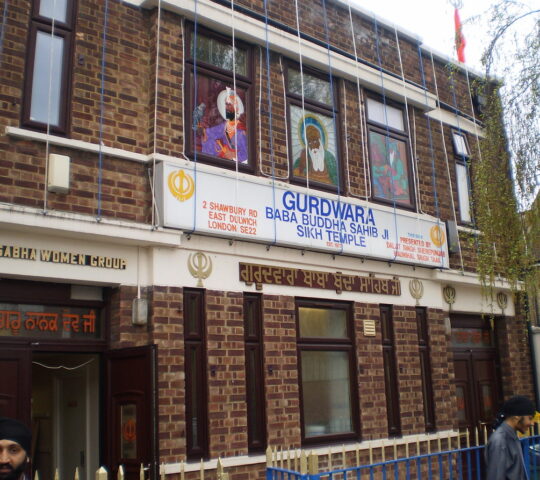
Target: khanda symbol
column 200, row 266
column 181, row 185
column 449, row 294
column 417, row 289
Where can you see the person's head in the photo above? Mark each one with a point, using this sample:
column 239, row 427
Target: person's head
column 518, row 412
column 15, row 445
column 231, row 107
column 313, row 137
column 315, row 147
column 229, row 104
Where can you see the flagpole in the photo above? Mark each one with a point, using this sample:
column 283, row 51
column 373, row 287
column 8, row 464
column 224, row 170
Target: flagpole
column 459, row 37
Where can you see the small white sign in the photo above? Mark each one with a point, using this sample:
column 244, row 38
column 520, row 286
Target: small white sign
column 198, row 201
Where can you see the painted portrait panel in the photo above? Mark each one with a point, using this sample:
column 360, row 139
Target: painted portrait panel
column 314, row 147
column 218, row 120
column 389, row 169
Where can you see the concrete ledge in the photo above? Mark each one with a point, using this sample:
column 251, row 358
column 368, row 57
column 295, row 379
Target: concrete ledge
column 83, row 226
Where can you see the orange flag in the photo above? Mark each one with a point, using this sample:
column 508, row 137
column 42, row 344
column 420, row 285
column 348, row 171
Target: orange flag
column 460, row 38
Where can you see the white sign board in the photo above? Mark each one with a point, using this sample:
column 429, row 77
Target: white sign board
column 259, row 210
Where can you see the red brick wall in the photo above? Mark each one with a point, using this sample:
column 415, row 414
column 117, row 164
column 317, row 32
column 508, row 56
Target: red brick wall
column 371, row 394
column 226, row 371
column 122, row 333
column 167, row 332
column 442, row 370
column 281, row 362
column 227, row 412
column 411, row 399
column 127, row 85
column 515, row 357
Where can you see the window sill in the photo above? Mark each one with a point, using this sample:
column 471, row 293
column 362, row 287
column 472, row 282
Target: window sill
column 25, row 134
column 469, row 230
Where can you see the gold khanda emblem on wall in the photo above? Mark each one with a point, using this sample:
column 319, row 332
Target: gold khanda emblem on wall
column 417, row 289
column 200, row 266
column 449, row 294
column 502, row 301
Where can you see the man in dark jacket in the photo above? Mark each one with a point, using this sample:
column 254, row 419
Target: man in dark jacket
column 15, row 445
column 504, row 456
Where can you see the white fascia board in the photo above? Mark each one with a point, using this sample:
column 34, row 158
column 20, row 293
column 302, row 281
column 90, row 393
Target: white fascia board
column 456, row 277
column 83, row 226
column 219, row 18
column 456, row 121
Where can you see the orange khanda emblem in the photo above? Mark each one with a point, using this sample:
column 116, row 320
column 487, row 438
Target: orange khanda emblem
column 129, row 431
column 437, row 236
column 181, row 185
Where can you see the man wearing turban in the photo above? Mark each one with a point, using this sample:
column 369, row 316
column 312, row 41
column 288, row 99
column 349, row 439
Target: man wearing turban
column 15, row 446
column 315, row 162
column 504, row 455
column 227, row 139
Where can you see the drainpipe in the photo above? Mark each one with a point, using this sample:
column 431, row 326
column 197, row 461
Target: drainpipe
column 534, row 344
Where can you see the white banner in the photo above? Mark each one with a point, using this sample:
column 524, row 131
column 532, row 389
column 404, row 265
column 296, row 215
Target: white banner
column 258, row 210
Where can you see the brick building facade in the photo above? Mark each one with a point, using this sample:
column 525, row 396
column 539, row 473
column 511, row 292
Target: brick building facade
column 212, row 292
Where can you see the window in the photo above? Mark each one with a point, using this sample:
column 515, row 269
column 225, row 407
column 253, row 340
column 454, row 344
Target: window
column 313, row 130
column 327, row 371
column 255, row 397
column 195, row 374
column 218, row 117
column 48, row 66
column 390, row 371
column 391, row 175
column 425, row 368
column 461, row 152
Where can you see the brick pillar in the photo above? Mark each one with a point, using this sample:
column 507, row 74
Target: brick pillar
column 282, row 393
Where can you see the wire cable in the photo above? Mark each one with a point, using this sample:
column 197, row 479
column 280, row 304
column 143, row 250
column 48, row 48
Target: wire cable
column 284, row 91
column 270, row 119
column 155, row 218
column 102, row 106
column 62, row 367
column 414, row 159
column 463, row 157
column 49, row 103
column 298, row 35
column 195, row 100
column 447, row 162
column 261, row 171
column 332, row 94
column 182, row 86
column 431, row 150
column 3, row 31
column 361, row 112
column 387, row 128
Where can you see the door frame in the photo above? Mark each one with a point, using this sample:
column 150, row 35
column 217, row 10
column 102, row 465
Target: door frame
column 30, row 292
column 150, row 352
column 473, row 354
column 23, row 357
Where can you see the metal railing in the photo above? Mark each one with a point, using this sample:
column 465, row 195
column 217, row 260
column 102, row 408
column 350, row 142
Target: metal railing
column 458, row 464
column 103, row 474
